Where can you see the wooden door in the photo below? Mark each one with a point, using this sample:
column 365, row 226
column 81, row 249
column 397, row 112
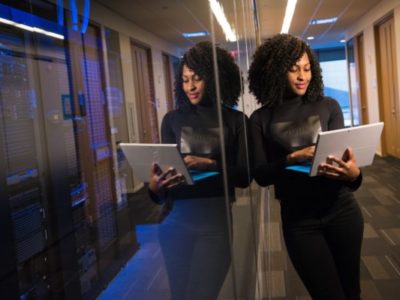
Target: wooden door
column 144, row 92
column 388, row 89
column 168, row 78
column 363, row 105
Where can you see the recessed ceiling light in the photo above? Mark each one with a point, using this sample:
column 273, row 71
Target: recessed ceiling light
column 194, row 34
column 343, row 41
column 310, row 38
column 323, row 21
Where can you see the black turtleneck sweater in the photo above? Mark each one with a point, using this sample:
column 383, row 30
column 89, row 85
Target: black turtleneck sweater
column 293, row 125
column 196, row 131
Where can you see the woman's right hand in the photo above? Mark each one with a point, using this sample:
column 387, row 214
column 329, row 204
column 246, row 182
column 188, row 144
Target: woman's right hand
column 161, row 181
column 301, row 155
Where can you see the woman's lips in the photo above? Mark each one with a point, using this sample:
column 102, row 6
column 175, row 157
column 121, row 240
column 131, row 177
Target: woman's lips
column 301, row 86
column 193, row 96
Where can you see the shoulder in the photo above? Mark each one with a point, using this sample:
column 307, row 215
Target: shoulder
column 260, row 113
column 233, row 114
column 171, row 120
column 331, row 102
column 173, row 115
column 327, row 104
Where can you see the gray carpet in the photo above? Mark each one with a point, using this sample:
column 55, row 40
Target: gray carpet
column 144, row 276
column 379, row 198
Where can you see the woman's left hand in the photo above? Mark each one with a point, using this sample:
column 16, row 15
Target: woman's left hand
column 199, row 163
column 341, row 169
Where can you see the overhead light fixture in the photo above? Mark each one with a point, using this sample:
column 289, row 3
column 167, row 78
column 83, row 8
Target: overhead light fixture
column 323, row 21
column 219, row 14
column 343, row 41
column 194, row 34
column 290, row 7
column 31, row 28
column 310, row 38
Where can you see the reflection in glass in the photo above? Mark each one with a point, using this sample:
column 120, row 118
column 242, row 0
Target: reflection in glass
column 74, row 213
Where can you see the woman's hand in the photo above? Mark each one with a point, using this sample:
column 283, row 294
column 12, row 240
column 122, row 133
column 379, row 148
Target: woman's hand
column 340, row 169
column 300, row 156
column 199, row 163
column 161, row 181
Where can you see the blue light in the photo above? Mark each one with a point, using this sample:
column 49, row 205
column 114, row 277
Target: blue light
column 323, row 21
column 74, row 14
column 60, row 12
column 194, row 34
column 86, row 12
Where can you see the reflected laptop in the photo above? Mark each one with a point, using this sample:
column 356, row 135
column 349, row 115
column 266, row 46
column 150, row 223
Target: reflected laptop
column 363, row 140
column 141, row 156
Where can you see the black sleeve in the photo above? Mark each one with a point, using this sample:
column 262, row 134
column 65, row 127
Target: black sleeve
column 354, row 185
column 239, row 172
column 336, row 120
column 265, row 170
column 167, row 136
column 167, row 133
column 156, row 198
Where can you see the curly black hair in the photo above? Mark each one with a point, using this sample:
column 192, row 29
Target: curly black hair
column 272, row 60
column 199, row 59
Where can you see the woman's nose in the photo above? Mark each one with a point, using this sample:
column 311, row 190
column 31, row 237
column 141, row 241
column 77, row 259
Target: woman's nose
column 192, row 86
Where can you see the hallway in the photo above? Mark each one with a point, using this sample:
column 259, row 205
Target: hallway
column 379, row 197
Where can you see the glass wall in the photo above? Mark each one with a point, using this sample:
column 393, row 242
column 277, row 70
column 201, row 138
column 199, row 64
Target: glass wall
column 78, row 81
column 336, row 85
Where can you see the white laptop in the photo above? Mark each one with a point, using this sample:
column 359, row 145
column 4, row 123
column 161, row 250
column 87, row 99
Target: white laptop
column 141, row 156
column 363, row 140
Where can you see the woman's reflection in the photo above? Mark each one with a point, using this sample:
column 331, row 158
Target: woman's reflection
column 194, row 236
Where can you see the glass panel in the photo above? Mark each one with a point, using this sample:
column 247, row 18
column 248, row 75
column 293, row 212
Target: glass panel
column 354, row 83
column 336, row 83
column 242, row 281
column 79, row 81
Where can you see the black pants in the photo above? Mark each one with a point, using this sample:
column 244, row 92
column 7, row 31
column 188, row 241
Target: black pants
column 194, row 240
column 326, row 250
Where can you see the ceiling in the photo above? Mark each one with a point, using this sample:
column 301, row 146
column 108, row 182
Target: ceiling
column 168, row 19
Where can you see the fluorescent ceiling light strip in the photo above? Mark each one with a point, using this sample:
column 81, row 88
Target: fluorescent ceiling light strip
column 23, row 26
column 54, row 35
column 290, row 7
column 32, row 29
column 5, row 21
column 219, row 14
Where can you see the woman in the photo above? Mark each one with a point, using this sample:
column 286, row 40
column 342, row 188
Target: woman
column 194, row 236
column 322, row 223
